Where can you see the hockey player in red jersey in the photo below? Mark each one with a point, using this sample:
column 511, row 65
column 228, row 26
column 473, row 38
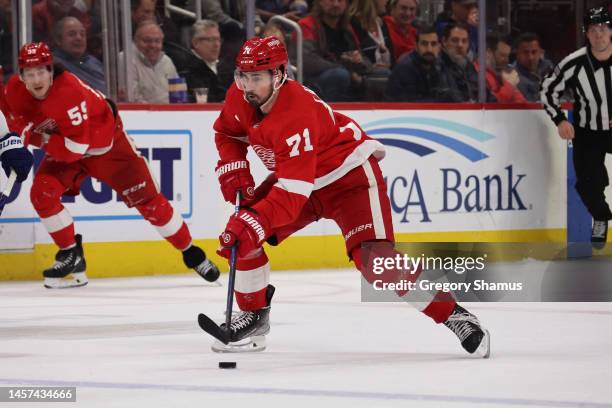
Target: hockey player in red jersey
column 322, row 165
column 82, row 135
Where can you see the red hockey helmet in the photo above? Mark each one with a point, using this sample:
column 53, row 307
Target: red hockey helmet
column 34, row 54
column 260, row 54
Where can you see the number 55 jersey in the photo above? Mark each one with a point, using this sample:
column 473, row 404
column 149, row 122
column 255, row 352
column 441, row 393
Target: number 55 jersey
column 72, row 121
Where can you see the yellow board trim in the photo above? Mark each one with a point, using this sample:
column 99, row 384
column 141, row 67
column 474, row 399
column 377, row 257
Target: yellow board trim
column 114, row 259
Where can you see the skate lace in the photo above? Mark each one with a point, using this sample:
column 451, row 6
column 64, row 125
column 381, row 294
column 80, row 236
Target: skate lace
column 599, row 229
column 462, row 324
column 204, row 267
column 60, row 264
column 243, row 320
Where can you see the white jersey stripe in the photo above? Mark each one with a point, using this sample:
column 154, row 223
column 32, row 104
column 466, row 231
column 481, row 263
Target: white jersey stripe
column 172, row 226
column 254, row 280
column 74, row 147
column 58, row 221
column 377, row 215
column 295, row 186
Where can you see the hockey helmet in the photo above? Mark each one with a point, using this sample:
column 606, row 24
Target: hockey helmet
column 34, row 54
column 596, row 15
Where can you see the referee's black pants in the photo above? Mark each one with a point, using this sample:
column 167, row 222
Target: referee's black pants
column 590, row 148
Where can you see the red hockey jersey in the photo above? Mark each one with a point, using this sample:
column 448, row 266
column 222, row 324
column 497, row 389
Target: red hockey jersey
column 302, row 140
column 77, row 119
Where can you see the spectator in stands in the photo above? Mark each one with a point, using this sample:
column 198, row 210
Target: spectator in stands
column 401, row 29
column 213, row 10
column 203, row 69
column 457, row 65
column 501, row 89
column 501, row 57
column 47, row 12
column 6, row 38
column 71, row 50
column 418, row 77
column 149, row 69
column 460, row 13
column 146, row 10
column 332, row 60
column 373, row 34
column 292, row 9
column 531, row 65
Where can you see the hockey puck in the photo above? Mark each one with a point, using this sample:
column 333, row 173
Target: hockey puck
column 227, row 364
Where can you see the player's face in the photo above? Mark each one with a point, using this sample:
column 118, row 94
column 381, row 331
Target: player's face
column 37, row 81
column 599, row 37
column 257, row 86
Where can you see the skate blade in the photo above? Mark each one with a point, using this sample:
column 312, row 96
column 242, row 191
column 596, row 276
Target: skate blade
column 484, row 348
column 78, row 280
column 248, row 345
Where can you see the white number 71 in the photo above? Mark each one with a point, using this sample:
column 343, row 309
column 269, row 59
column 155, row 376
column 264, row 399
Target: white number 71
column 295, row 141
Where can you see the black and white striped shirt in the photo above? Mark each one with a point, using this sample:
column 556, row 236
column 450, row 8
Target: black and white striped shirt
column 589, row 80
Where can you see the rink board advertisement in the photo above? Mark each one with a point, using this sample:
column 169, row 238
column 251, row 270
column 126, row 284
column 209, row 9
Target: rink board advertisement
column 462, row 170
column 470, row 172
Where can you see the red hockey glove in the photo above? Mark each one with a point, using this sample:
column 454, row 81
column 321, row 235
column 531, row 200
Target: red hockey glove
column 235, row 176
column 248, row 229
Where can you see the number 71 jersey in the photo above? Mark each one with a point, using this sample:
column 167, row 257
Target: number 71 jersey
column 302, row 140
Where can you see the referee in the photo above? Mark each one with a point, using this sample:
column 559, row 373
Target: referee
column 586, row 72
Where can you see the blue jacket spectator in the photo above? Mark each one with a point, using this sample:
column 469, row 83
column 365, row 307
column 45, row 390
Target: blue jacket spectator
column 71, row 51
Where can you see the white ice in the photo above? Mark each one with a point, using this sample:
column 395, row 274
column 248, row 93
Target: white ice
column 134, row 342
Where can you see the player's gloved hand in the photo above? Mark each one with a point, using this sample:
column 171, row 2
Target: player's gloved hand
column 14, row 156
column 235, row 176
column 246, row 228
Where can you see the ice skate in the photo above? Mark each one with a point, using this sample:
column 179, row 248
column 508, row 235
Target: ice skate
column 195, row 258
column 473, row 337
column 247, row 330
column 599, row 235
column 68, row 271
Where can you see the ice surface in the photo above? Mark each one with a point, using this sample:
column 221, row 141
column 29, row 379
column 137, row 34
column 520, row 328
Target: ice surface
column 134, row 342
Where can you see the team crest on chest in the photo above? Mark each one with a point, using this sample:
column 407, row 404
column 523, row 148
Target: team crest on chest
column 266, row 155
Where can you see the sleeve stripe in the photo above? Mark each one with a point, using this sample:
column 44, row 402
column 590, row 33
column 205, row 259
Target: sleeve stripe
column 554, row 84
column 295, row 186
column 74, row 147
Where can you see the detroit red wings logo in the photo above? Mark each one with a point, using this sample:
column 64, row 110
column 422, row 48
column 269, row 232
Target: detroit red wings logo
column 47, row 126
column 266, row 156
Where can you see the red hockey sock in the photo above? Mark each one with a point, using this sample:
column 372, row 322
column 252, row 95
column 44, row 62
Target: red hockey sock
column 168, row 222
column 439, row 308
column 252, row 278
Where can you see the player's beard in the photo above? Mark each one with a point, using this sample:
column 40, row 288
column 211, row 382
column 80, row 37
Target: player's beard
column 253, row 99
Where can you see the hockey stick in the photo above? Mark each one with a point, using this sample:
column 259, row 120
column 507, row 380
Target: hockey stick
column 4, row 195
column 205, row 322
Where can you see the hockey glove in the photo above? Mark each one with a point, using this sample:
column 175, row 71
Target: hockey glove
column 235, row 176
column 246, row 228
column 14, row 156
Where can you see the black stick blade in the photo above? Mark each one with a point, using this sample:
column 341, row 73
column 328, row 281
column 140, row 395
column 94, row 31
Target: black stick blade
column 210, row 327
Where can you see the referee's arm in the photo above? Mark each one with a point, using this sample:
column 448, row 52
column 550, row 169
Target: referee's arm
column 553, row 87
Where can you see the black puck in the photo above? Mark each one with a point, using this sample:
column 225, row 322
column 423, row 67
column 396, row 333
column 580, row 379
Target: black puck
column 227, row 364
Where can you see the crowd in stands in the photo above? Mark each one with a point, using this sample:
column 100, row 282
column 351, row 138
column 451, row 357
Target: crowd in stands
column 354, row 50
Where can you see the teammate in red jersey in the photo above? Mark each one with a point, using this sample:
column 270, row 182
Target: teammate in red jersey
column 82, row 135
column 322, row 165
